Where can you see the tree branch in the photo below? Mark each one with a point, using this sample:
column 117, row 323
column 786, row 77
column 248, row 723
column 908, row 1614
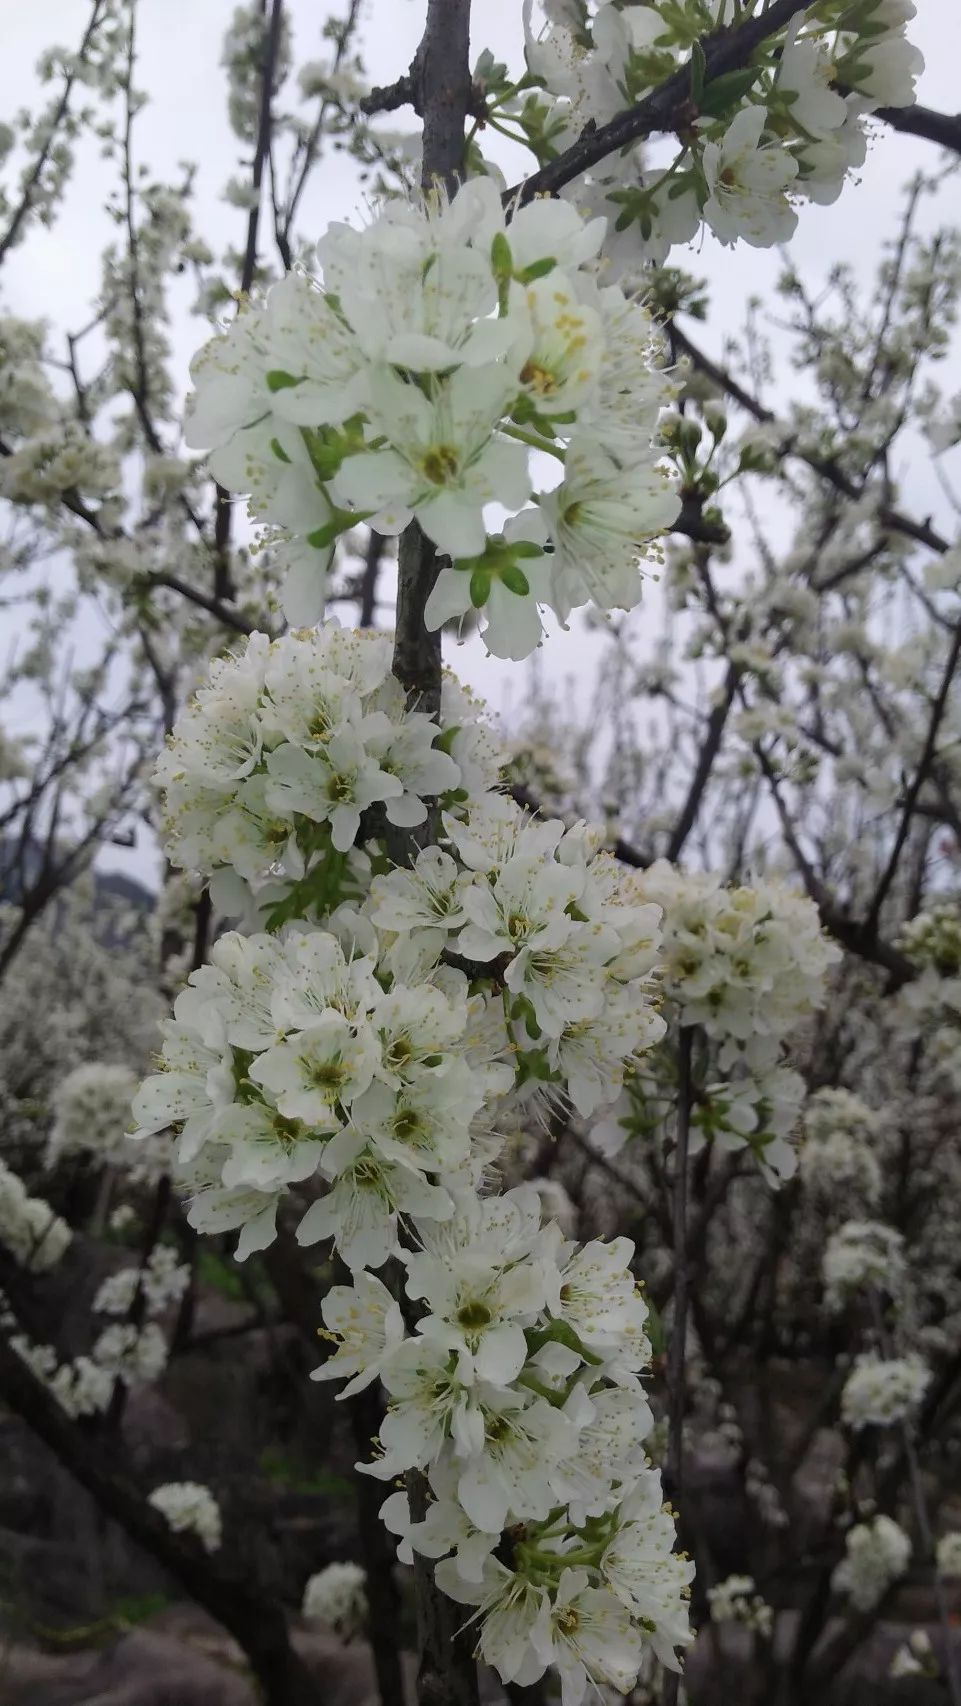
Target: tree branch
column 256, row 1622
column 894, row 520
column 943, row 128
column 446, row 1674
column 924, row 766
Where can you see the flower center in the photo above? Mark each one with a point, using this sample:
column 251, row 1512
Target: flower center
column 540, row 379
column 474, row 1314
column 326, row 1074
column 340, row 789
column 407, row 1125
column 440, row 464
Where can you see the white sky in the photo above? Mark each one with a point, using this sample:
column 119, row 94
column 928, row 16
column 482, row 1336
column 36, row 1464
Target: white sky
column 56, row 273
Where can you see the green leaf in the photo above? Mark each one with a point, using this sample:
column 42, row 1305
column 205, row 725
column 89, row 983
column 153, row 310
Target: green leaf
column 341, row 520
column 502, row 261
column 279, row 450
column 480, row 587
column 278, row 380
column 560, row 1333
column 728, row 90
column 515, row 580
column 537, row 269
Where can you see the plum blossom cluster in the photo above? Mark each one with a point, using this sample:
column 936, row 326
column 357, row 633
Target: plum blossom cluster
column 518, row 1398
column 933, row 938
column 745, row 965
column 335, row 1599
column 91, row 1112
column 445, row 361
column 947, row 1554
column 131, row 1353
column 30, row 1231
column 162, row 1282
column 876, row 1554
column 736, row 1600
column 290, row 744
column 364, row 1059
column 388, row 1053
column 880, row 1391
column 859, row 1255
column 84, row 1386
column 372, row 1061
column 915, row 1657
column 788, row 127
column 189, row 1508
column 839, row 1155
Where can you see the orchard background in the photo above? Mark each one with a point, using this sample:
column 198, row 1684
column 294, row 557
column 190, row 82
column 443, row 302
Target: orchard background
column 480, row 561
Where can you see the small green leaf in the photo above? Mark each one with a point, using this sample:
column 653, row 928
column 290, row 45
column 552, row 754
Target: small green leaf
column 728, row 90
column 515, row 580
column 279, row 450
column 537, row 269
column 480, row 587
column 560, row 1333
column 502, row 261
column 278, row 380
column 340, row 521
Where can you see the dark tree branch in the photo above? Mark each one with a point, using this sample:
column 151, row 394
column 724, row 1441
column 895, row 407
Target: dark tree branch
column 223, row 510
column 243, row 1607
column 440, row 72
column 920, row 776
column 943, row 128
column 368, row 585
column 390, row 97
column 710, row 746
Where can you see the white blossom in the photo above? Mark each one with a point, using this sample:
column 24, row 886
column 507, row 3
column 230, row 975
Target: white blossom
column 189, row 1508
column 335, row 1599
column 876, row 1554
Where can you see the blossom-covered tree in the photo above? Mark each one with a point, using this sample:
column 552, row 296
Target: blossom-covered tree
column 436, row 989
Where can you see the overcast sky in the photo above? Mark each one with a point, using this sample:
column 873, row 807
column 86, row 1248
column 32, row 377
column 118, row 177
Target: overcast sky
column 180, row 41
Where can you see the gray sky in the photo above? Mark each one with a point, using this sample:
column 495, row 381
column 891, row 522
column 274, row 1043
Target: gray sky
column 56, row 273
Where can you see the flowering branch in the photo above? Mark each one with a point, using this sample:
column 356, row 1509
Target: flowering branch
column 25, row 204
column 669, row 107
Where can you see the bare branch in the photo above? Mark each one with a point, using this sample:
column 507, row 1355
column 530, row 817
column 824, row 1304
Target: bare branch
column 892, row 519
column 942, row 128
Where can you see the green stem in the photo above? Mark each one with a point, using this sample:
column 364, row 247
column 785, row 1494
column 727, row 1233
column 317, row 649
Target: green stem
column 535, row 442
